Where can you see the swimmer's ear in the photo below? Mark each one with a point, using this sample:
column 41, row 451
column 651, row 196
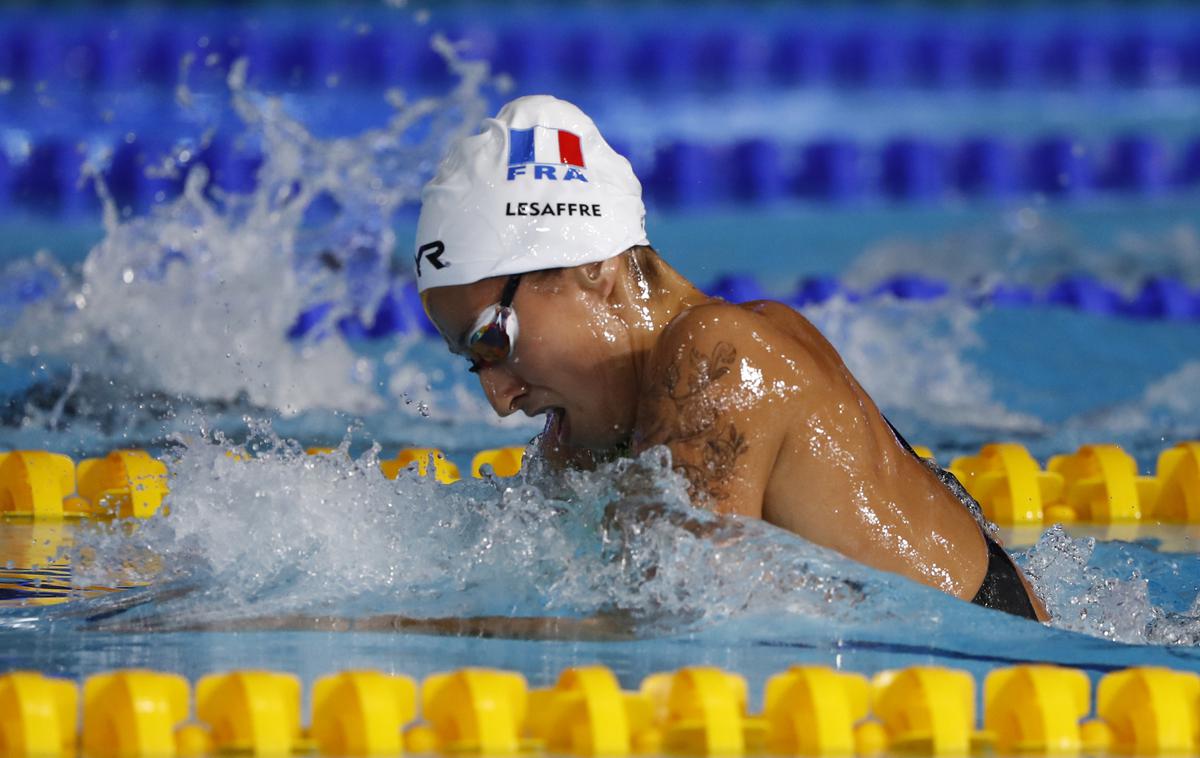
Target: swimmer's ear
column 600, row 277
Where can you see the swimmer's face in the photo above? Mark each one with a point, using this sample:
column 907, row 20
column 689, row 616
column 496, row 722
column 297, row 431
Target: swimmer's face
column 571, row 355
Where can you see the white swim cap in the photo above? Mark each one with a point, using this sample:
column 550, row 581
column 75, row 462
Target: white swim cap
column 538, row 188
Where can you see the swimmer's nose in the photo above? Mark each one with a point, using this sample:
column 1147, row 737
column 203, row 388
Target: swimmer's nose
column 503, row 389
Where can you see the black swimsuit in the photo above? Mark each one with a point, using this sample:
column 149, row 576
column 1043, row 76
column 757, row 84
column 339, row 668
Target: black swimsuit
column 1002, row 588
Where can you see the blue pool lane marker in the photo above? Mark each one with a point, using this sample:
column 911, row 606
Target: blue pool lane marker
column 400, row 311
column 1160, row 298
column 720, row 50
column 690, row 175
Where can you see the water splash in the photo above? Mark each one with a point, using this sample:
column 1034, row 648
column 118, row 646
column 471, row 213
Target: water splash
column 1033, row 246
column 264, row 529
column 195, row 298
column 1175, row 393
column 915, row 358
column 1105, row 589
column 1166, row 411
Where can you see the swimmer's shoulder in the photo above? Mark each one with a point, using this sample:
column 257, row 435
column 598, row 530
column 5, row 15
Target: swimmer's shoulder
column 717, row 394
column 767, row 332
column 723, row 318
column 756, row 337
column 783, row 317
column 705, row 327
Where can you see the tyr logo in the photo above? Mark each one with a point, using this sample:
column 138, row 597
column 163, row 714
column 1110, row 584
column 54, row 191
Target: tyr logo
column 432, row 252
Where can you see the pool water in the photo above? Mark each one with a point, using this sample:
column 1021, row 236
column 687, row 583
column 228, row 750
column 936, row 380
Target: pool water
column 169, row 331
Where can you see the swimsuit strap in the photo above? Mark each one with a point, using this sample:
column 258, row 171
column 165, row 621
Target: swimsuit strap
column 900, row 437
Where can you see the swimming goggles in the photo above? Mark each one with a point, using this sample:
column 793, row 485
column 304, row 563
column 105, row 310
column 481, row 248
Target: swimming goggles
column 495, row 333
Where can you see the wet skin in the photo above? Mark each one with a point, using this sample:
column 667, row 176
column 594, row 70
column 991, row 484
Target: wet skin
column 759, row 411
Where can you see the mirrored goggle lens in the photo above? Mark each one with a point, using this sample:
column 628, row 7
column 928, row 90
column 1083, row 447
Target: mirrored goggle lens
column 491, row 343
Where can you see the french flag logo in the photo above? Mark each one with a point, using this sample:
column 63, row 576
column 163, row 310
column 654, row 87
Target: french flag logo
column 541, row 144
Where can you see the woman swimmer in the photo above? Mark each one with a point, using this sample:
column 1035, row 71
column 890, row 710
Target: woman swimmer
column 538, row 216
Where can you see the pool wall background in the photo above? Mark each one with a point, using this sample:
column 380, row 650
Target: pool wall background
column 989, row 210
column 1036, row 155
column 835, row 107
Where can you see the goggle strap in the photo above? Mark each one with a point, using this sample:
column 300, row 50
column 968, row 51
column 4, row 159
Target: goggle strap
column 510, row 290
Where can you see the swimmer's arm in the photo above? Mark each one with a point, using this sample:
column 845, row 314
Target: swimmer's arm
column 716, row 397
column 603, row 626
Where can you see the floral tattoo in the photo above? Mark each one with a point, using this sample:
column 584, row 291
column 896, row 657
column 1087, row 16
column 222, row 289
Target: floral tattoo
column 696, row 421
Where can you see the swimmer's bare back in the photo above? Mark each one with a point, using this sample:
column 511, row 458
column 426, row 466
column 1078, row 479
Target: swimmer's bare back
column 765, row 420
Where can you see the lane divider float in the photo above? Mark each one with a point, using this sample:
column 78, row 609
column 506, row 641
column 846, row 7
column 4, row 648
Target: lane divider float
column 100, row 51
column 1166, row 298
column 40, row 485
column 687, row 175
column 697, row 710
column 1097, row 484
column 399, row 311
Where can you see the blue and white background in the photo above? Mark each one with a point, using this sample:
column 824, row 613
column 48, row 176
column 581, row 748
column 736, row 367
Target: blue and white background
column 206, row 220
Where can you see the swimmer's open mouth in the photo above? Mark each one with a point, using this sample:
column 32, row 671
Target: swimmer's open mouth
column 558, row 427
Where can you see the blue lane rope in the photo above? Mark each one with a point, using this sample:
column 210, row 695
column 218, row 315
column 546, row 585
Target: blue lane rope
column 399, row 311
column 1159, row 298
column 719, row 49
column 690, row 175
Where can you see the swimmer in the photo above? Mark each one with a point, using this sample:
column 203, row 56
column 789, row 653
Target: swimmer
column 533, row 263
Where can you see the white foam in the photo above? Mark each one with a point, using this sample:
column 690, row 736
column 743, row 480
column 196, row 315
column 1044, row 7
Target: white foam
column 269, row 531
column 1167, row 410
column 1177, row 391
column 1034, row 246
column 913, row 356
column 284, row 533
column 196, row 297
column 1111, row 601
